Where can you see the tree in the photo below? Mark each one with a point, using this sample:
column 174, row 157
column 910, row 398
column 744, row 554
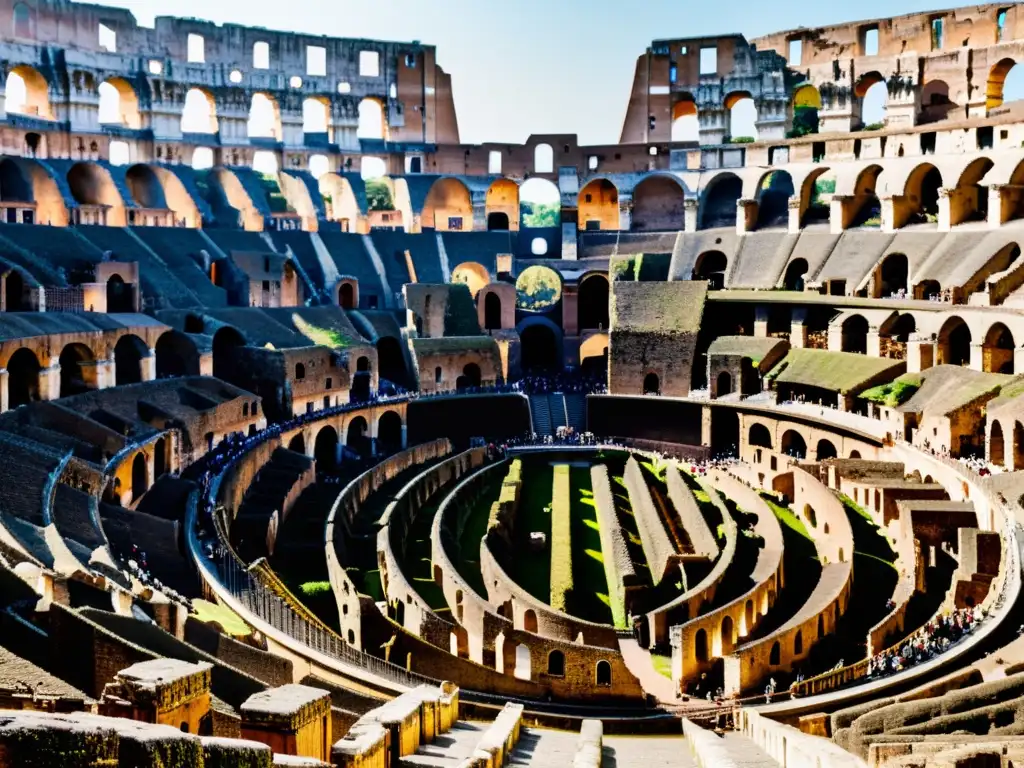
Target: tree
column 378, row 196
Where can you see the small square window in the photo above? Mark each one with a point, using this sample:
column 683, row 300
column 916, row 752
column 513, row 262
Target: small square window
column 494, row 162
column 684, row 51
column 936, row 34
column 316, row 61
column 295, row 82
column 592, row 162
column 652, row 151
column 261, row 55
column 196, row 49
column 344, row 87
column 156, row 67
column 410, row 61
column 709, row 60
column 369, row 64
column 108, row 39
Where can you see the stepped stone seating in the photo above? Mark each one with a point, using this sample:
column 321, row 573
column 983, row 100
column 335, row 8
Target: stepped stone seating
column 61, row 442
column 167, row 499
column 27, row 469
column 761, row 259
column 179, row 248
column 59, row 246
column 351, row 259
column 229, row 240
column 266, row 503
column 157, row 538
column 853, row 257
column 540, row 408
column 72, row 512
column 391, row 246
column 305, row 253
column 299, row 549
column 40, row 271
column 576, row 408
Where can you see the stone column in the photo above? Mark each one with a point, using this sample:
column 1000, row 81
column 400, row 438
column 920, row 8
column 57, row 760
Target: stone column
column 705, row 425
column 746, row 215
column 874, row 343
column 49, row 381
column 625, row 213
column 1003, row 199
column 98, row 374
column 977, row 356
column 206, row 364
column 761, row 320
column 835, row 338
column 797, row 334
column 920, row 354
column 946, row 205
column 839, row 214
column 479, row 215
column 795, row 214
column 5, row 398
column 147, row 366
column 890, row 205
column 690, row 205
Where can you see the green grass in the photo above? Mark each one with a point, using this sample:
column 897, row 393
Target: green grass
column 474, row 528
column 561, row 539
column 662, row 664
column 534, row 573
column 418, row 563
column 228, row 619
column 590, row 600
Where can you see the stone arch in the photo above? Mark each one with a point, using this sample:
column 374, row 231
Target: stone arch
column 658, row 204
column 868, row 90
column 391, row 360
column 540, row 341
column 603, row 673
column 700, row 645
column 316, row 117
column 473, row 274
column 357, row 437
column 592, row 302
column 826, row 450
column 773, row 195
column 598, row 205
column 996, row 82
column 199, row 113
column 501, row 204
column 855, row 334
column 140, row 476
column 389, row 432
column 539, row 205
column 954, row 342
column 23, row 377
column 176, row 355
column 128, row 354
column 685, row 119
column 893, row 275
column 298, row 443
column 718, row 201
column 325, row 449
column 969, row 200
column 226, row 341
column 92, row 184
column 920, row 195
column 652, row 384
column 530, row 620
column 145, row 187
column 742, row 111
column 448, row 206
column 556, row 663
column 28, row 93
column 774, row 657
column 806, row 103
column 793, row 444
column 935, row 102
column 119, row 295
column 723, row 385
column 759, row 436
column 372, row 120
column 492, row 311
column 119, row 104
column 866, row 209
column 814, row 209
column 348, row 293
column 77, row 369
column 264, row 117
column 997, row 446
column 998, row 350
column 796, row 274
column 711, row 266
column 748, row 616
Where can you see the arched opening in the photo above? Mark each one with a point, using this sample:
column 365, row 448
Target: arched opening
column 806, row 103
column 316, row 116
column 826, row 450
column 928, row 290
column 524, row 670
column 996, row 448
column 14, row 291
column 91, row 184
column 264, row 117
column 540, row 204
column 448, row 206
column 658, row 205
column 969, row 201
column 325, row 449
column 391, row 361
column 538, row 288
column 501, row 204
column 592, row 303
column 759, row 436
column 700, row 645
column 226, row 343
column 389, row 432
column 356, row 437
column 718, row 203
column 140, row 476
column 773, row 197
column 868, row 207
column 297, row 443
column 748, row 616
column 922, row 194
column 27, row 93
column 798, row 643
column 473, row 275
column 685, row 120
column 954, row 342
column 723, row 385
column 1018, row 446
column 603, row 673
column 543, row 159
column 540, row 348
column 728, row 638
column 347, row 296
column 128, row 354
column 145, row 187
column 77, row 370
column 935, row 102
column 1005, row 83
column 873, row 97
column 23, row 378
column 530, row 620
column 371, row 120
column 319, row 166
column 998, row 350
column 816, row 194
column 855, row 334
column 199, row 115
column 160, row 455
column 775, row 655
column 742, row 116
column 796, row 273
column 119, row 295
column 492, row 311
column 893, row 275
column 793, row 444
column 470, row 377
column 300, row 371
column 202, row 159
column 598, row 206
column 652, row 384
column 556, row 663
column 711, row 266
column 497, row 221
column 176, row 355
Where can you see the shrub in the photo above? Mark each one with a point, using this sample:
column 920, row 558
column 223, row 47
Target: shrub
column 460, row 318
column 742, row 140
column 311, row 588
column 561, row 539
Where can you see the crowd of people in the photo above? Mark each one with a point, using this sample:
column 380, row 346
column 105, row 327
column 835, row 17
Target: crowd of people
column 930, row 640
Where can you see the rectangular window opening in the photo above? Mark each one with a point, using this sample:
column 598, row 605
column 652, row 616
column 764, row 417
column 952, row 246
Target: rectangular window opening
column 316, row 61
column 1000, row 24
column 936, row 34
column 494, row 162
column 410, row 61
column 108, row 39
column 928, row 143
column 369, row 64
column 261, row 55
column 796, row 52
column 871, row 41
column 985, row 137
column 709, row 60
column 673, row 73
column 196, row 49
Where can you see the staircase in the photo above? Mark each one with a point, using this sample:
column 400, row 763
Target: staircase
column 540, row 409
column 558, row 414
column 576, row 411
column 265, row 496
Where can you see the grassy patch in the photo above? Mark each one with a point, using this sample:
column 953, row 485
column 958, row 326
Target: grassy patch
column 533, row 573
column 561, row 539
column 589, row 599
column 229, row 621
column 474, row 528
column 417, row 563
column 662, row 664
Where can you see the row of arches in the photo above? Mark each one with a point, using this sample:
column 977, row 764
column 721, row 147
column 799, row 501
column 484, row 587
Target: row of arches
column 792, row 443
column 327, row 445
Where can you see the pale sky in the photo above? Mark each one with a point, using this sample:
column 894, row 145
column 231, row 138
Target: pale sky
column 530, row 66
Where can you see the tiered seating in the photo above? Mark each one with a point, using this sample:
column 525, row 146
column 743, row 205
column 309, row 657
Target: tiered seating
column 40, row 269
column 157, row 279
column 305, row 254
column 392, row 247
column 178, row 248
column 481, row 247
column 351, row 259
column 72, row 513
column 266, row 496
column 557, row 408
column 540, row 408
column 229, row 240
column 59, row 246
column 299, row 552
column 576, row 410
column 26, row 468
column 156, row 538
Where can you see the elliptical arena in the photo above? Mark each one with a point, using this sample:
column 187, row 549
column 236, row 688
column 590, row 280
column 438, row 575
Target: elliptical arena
column 715, row 458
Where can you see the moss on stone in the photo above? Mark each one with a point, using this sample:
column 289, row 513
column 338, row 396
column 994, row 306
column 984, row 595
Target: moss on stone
column 460, row 317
